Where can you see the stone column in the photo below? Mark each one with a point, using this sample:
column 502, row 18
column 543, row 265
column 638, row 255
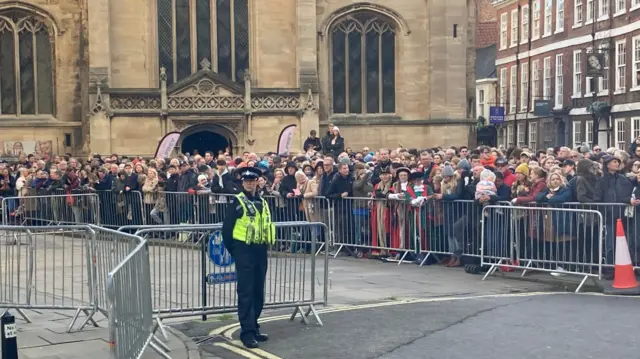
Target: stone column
column 98, row 24
column 307, row 45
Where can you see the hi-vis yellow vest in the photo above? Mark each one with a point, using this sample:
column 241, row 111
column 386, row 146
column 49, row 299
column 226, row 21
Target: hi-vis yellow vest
column 253, row 226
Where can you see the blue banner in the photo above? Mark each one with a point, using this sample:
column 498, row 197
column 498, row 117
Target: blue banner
column 496, row 114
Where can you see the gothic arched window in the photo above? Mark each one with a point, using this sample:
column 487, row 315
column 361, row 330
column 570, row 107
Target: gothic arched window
column 26, row 65
column 363, row 64
column 187, row 36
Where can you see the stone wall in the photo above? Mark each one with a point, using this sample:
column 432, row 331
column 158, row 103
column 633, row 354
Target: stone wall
column 68, row 17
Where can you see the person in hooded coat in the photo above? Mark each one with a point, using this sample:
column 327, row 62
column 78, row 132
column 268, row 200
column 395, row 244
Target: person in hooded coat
column 288, row 190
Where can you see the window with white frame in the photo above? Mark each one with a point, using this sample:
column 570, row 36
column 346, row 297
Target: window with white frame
column 535, row 84
column 577, row 12
column 546, row 78
column 535, row 26
column 559, row 15
column 577, row 73
column 501, row 138
column 590, row 11
column 513, row 89
column 635, row 4
column 635, row 81
column 604, row 80
column 533, row 136
column 588, row 80
column 503, row 31
column 620, row 6
column 604, row 9
column 521, row 134
column 524, row 86
column 577, row 134
column 548, row 134
column 588, row 133
column 509, row 136
column 620, row 132
column 524, row 32
column 635, row 128
column 559, row 81
column 547, row 17
column 621, row 65
column 503, row 86
column 514, row 27
column 480, row 102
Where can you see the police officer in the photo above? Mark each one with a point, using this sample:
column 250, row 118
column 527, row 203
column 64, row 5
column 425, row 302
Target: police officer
column 247, row 231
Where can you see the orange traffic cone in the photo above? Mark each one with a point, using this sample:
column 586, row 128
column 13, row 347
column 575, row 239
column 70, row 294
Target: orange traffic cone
column 624, row 280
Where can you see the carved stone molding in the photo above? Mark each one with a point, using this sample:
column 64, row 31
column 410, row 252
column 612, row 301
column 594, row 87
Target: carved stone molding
column 99, row 104
column 205, row 95
column 310, row 103
column 275, row 102
column 135, row 102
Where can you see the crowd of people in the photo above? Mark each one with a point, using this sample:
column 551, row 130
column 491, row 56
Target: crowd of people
column 385, row 201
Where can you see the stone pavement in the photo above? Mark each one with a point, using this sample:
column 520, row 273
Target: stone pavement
column 46, row 338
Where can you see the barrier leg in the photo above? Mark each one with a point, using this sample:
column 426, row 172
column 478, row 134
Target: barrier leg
column 491, row 270
column 584, row 280
column 162, row 329
column 23, row 315
column 320, row 249
column 305, row 316
column 338, row 251
column 159, row 343
column 158, row 350
column 87, row 320
column 402, row 258
column 424, row 260
column 526, row 268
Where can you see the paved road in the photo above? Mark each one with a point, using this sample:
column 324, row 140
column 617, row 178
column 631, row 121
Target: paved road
column 359, row 285
column 524, row 326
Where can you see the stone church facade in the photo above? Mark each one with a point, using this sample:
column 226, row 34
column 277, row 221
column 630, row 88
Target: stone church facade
column 115, row 76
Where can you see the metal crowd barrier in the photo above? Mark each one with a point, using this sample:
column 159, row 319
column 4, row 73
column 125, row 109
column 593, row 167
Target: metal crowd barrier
column 548, row 239
column 185, row 280
column 84, row 268
column 120, row 209
column 131, row 324
column 54, row 209
column 611, row 212
column 395, row 230
column 48, row 268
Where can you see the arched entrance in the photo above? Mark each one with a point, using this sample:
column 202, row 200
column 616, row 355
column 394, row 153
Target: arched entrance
column 203, row 141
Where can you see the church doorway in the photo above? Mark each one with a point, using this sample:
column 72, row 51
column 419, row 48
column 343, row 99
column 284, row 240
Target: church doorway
column 203, row 141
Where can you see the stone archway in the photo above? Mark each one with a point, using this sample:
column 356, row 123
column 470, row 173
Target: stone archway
column 208, row 137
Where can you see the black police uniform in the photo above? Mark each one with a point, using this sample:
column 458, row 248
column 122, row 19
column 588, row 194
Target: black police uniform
column 251, row 267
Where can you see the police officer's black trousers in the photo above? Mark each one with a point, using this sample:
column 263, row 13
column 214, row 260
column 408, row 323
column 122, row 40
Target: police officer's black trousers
column 251, row 268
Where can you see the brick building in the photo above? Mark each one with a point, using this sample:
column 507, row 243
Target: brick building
column 543, row 47
column 110, row 76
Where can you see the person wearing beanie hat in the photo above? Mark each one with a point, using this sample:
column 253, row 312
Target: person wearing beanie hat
column 447, row 171
column 523, row 169
column 464, row 165
column 335, row 144
column 368, row 158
